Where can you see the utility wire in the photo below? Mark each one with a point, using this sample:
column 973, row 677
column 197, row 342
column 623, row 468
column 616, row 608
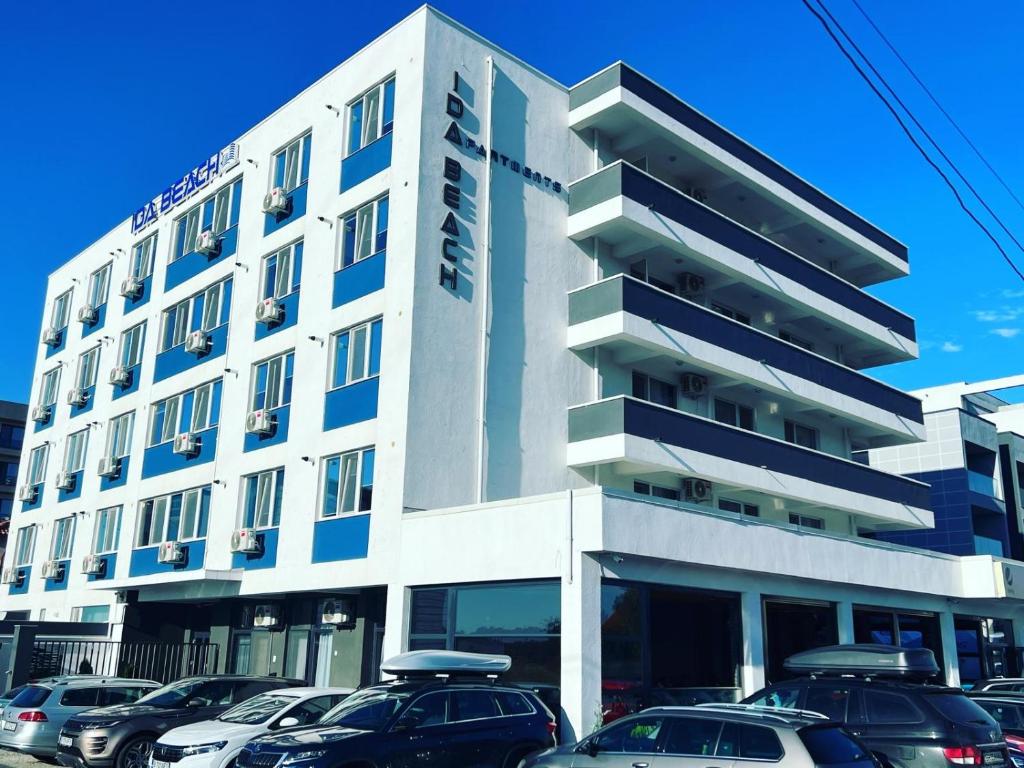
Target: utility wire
column 921, row 128
column 939, row 106
column 913, row 140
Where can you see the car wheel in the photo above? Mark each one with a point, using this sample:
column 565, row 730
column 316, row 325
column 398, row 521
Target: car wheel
column 135, row 754
column 517, row 757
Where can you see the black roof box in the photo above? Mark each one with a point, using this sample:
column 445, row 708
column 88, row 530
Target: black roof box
column 865, row 660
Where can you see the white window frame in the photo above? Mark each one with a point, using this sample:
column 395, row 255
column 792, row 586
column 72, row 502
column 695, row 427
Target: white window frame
column 143, row 254
column 133, row 337
column 192, row 495
column 219, row 222
column 185, row 309
column 362, row 221
column 119, row 435
column 799, row 425
column 366, row 328
column 65, row 525
column 99, row 285
column 75, row 449
column 25, row 546
column 294, row 162
column 88, row 368
column 195, row 425
column 276, row 387
column 802, row 521
column 60, row 311
column 364, row 98
column 285, row 289
column 267, row 490
column 37, row 460
column 112, row 530
column 359, row 455
column 49, row 387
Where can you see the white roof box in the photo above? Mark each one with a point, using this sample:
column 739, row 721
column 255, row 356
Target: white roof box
column 865, row 660
column 436, row 663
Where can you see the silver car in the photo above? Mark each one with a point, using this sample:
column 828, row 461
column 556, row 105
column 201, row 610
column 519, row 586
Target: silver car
column 31, row 721
column 713, row 736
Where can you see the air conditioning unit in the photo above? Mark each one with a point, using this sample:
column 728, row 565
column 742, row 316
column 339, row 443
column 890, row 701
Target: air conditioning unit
column 87, row 314
column 77, row 396
column 65, row 481
column 696, row 490
column 41, row 414
column 207, row 243
column 690, row 284
column 131, row 287
column 186, row 443
column 93, row 565
column 266, row 615
column 269, row 311
column 259, row 422
column 170, row 552
column 245, row 540
column 693, row 384
column 120, row 376
column 336, row 612
column 109, row 466
column 276, row 201
column 52, row 569
column 197, row 342
column 51, row 337
column 27, row 493
column 11, row 576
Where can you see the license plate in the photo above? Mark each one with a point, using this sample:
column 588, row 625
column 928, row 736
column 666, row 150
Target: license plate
column 993, row 758
column 64, row 741
column 159, row 764
column 9, row 725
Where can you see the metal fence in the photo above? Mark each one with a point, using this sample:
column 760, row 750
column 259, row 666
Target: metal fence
column 162, row 662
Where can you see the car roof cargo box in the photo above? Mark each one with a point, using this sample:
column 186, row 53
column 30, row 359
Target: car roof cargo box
column 446, row 663
column 865, row 660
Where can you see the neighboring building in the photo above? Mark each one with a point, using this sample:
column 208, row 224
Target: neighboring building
column 12, row 435
column 484, row 362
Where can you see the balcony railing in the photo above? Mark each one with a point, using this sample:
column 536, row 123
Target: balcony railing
column 623, row 293
column 622, row 179
column 629, row 416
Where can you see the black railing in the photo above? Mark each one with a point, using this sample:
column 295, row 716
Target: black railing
column 162, row 662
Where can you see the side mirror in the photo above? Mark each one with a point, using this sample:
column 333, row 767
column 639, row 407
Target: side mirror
column 288, row 722
column 589, row 748
column 406, row 723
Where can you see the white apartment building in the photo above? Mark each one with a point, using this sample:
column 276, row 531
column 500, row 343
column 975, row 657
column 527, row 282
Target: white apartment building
column 444, row 353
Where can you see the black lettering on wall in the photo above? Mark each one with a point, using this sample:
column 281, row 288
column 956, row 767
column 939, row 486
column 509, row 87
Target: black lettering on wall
column 452, row 169
column 448, row 275
column 451, row 196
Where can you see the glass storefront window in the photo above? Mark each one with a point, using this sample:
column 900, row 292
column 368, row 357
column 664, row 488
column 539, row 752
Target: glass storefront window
column 791, row 627
column 907, row 630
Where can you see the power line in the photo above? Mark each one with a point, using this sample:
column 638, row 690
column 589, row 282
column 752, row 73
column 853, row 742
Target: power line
column 941, row 109
column 913, row 140
column 920, row 127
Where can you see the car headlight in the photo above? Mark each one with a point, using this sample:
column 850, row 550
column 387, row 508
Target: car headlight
column 101, row 724
column 301, row 757
column 203, row 749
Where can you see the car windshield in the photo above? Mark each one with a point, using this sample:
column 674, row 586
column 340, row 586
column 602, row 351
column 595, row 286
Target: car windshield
column 257, row 709
column 173, row 695
column 960, row 709
column 368, row 710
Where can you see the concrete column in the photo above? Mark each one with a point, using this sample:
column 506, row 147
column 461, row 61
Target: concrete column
column 396, row 622
column 581, row 648
column 949, row 658
column 844, row 622
column 753, row 642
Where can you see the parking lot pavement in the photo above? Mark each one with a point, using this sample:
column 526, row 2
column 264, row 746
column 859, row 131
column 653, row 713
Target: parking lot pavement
column 16, row 760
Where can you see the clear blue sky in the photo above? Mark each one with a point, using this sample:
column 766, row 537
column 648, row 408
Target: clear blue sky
column 105, row 103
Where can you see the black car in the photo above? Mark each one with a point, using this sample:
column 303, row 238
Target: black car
column 879, row 693
column 443, row 719
column 1008, row 711
column 122, row 736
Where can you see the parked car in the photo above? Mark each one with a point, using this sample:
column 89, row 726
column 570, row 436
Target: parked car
column 880, row 693
column 1008, row 711
column 713, row 736
column 123, row 736
column 32, row 720
column 216, row 743
column 445, row 709
column 1001, row 685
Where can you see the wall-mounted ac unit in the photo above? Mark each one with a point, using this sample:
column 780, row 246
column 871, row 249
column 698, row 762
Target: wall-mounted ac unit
column 27, row 493
column 695, row 489
column 276, row 201
column 109, row 466
column 266, row 615
column 87, row 314
column 52, row 569
column 207, row 243
column 120, row 376
column 93, row 565
column 51, row 337
column 170, row 552
column 65, row 481
column 11, row 575
column 259, row 422
column 197, row 342
column 131, row 287
column 245, row 540
column 691, row 284
column 693, row 384
column 337, row 611
column 77, row 396
column 41, row 414
column 186, row 443
column 269, row 311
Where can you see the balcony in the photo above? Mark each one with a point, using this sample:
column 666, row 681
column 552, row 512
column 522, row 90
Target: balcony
column 638, row 215
column 629, row 116
column 632, row 317
column 644, row 437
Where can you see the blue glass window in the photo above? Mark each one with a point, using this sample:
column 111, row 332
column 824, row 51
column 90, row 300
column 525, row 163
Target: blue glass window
column 364, row 232
column 291, row 164
column 281, row 272
column 203, row 311
column 357, row 353
column 371, row 115
column 191, row 411
column 264, row 492
column 347, row 483
column 272, row 382
column 218, row 213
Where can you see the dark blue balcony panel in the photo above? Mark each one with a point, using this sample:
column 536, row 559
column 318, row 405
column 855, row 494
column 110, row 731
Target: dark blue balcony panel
column 279, row 434
column 109, row 567
column 341, row 538
column 76, row 489
column 142, row 298
column 632, row 183
column 296, row 210
column 99, row 322
column 144, row 561
column 61, row 582
column 289, row 316
column 192, row 263
column 175, row 360
column 90, row 396
column 620, row 75
column 351, row 404
column 20, row 586
column 134, row 374
column 626, row 294
column 37, row 502
column 62, row 340
column 359, row 279
column 161, row 459
column 625, row 415
column 366, row 162
column 265, row 558
column 118, row 480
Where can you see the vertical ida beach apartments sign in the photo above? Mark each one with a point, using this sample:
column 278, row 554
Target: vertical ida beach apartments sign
column 182, row 189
